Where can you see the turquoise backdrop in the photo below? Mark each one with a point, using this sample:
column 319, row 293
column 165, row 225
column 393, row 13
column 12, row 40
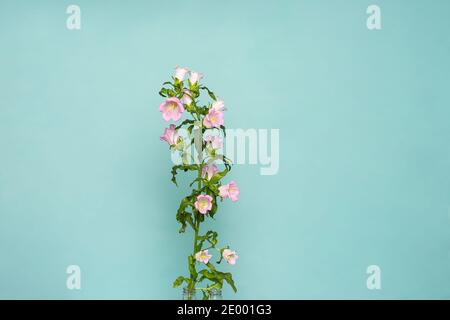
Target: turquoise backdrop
column 364, row 119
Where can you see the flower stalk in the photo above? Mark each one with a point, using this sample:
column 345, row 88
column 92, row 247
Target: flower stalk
column 182, row 96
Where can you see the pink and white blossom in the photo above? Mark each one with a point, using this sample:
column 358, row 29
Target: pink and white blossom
column 195, row 77
column 218, row 105
column 170, row 135
column 203, row 203
column 203, row 256
column 209, row 171
column 171, row 108
column 230, row 190
column 230, row 256
column 180, row 73
column 187, row 97
column 214, row 119
column 215, row 142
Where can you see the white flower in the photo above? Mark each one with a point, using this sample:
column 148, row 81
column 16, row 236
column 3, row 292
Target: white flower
column 180, row 73
column 214, row 142
column 203, row 256
column 218, row 105
column 186, row 99
column 230, row 256
column 195, row 77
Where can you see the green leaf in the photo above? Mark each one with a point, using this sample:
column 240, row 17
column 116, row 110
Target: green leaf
column 213, row 210
column 218, row 276
column 210, row 236
column 179, row 281
column 174, row 173
column 227, row 162
column 205, row 295
column 208, row 275
column 182, row 215
column 229, row 279
column 213, row 188
column 184, row 167
column 222, row 127
column 213, row 275
column 196, row 180
column 187, row 121
column 162, row 92
column 189, row 129
column 218, row 176
column 210, row 93
column 168, row 82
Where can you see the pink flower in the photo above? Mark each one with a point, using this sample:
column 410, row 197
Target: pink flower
column 170, row 135
column 203, row 203
column 218, row 105
column 213, row 119
column 172, row 108
column 180, row 73
column 209, row 171
column 195, row 77
column 229, row 190
column 186, row 99
column 214, row 142
column 230, row 256
column 203, row 256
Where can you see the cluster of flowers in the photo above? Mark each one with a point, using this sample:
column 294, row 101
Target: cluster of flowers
column 227, row 254
column 172, row 108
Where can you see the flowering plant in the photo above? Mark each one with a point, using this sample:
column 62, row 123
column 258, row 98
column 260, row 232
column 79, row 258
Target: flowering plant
column 202, row 131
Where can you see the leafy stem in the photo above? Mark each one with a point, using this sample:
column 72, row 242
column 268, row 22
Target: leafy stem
column 208, row 187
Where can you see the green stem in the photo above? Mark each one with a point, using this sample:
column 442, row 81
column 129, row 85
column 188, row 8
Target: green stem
column 196, row 225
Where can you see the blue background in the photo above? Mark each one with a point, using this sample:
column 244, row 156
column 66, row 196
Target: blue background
column 364, row 146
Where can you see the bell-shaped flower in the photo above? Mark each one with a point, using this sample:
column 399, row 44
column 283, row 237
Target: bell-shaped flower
column 171, row 108
column 229, row 190
column 218, row 105
column 214, row 142
column 214, row 119
column 230, row 256
column 195, row 77
column 209, row 171
column 180, row 73
column 187, row 97
column 203, row 203
column 170, row 135
column 203, row 256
